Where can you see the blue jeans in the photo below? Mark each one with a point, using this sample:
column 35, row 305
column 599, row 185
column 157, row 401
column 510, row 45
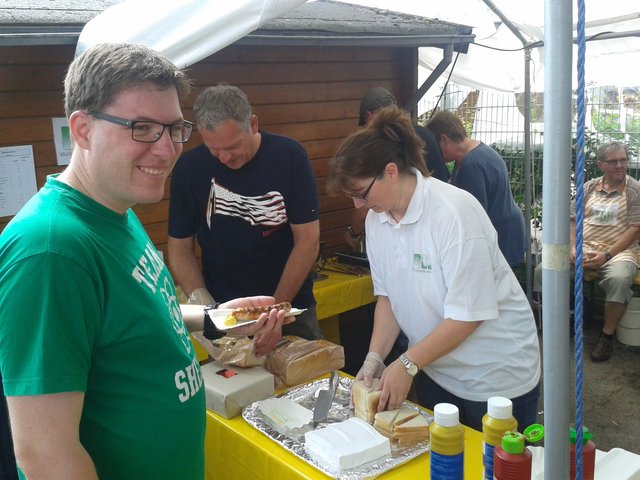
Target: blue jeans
column 429, row 394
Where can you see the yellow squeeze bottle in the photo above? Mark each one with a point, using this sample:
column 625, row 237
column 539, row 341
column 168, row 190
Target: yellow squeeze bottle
column 498, row 420
column 447, row 443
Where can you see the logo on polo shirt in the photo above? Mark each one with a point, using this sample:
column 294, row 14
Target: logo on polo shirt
column 422, row 263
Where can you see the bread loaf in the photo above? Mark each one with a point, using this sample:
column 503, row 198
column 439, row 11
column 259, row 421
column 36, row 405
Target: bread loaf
column 365, row 399
column 296, row 360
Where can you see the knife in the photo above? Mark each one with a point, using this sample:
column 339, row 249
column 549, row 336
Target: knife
column 325, row 399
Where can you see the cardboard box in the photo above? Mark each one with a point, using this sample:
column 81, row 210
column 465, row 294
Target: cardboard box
column 229, row 389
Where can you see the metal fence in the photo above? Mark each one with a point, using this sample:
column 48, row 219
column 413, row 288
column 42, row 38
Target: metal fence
column 497, row 119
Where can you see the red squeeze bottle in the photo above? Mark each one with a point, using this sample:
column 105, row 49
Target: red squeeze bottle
column 588, row 454
column 511, row 460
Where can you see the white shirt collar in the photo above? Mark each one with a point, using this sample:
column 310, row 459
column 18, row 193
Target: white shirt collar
column 416, row 204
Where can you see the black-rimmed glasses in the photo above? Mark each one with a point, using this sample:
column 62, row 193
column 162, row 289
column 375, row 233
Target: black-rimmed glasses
column 149, row 132
column 363, row 196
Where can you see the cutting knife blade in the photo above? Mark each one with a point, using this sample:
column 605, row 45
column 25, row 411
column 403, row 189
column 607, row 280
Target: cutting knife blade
column 325, row 399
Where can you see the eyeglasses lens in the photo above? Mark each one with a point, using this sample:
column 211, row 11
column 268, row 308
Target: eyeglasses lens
column 616, row 162
column 149, row 132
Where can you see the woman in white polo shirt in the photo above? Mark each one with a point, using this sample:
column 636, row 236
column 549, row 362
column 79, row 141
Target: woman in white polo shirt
column 440, row 278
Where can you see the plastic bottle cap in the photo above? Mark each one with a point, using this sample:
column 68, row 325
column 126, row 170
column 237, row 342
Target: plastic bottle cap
column 500, row 408
column 586, row 435
column 446, row 415
column 534, row 433
column 513, row 443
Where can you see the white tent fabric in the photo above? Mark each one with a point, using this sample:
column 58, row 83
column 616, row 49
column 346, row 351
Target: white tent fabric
column 186, row 31
column 495, row 62
column 609, row 62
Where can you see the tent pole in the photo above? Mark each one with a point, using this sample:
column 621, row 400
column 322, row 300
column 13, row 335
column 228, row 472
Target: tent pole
column 555, row 219
column 528, row 197
column 555, row 259
column 506, row 21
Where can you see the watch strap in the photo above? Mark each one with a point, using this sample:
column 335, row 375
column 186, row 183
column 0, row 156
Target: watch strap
column 210, row 331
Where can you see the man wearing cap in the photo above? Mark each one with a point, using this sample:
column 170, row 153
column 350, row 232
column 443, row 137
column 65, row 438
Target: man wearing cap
column 372, row 101
column 378, row 97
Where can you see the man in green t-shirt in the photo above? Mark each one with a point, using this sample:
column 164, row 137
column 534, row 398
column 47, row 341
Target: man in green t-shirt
column 95, row 356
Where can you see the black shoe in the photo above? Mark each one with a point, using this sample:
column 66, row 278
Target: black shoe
column 603, row 350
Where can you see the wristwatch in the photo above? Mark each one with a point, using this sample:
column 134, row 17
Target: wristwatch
column 409, row 366
column 607, row 256
column 210, row 330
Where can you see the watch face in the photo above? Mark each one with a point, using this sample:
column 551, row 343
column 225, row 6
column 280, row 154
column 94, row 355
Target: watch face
column 411, row 367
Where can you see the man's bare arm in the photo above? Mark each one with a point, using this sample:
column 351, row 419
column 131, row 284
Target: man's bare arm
column 46, row 436
column 306, row 242
column 185, row 267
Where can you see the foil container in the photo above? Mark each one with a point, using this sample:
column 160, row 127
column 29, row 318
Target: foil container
column 293, row 439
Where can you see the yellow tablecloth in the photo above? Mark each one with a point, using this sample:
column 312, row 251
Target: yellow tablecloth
column 341, row 292
column 236, row 451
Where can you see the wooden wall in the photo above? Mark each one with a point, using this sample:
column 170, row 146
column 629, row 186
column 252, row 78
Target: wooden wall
column 309, row 93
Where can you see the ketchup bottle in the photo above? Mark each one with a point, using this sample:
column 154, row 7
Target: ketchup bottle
column 511, row 460
column 588, row 454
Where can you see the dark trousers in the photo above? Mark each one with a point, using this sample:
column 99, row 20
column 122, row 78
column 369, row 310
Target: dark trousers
column 429, row 394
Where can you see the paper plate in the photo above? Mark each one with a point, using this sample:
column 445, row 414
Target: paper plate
column 220, row 315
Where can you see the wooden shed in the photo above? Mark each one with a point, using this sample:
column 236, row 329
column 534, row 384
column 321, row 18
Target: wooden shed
column 304, row 74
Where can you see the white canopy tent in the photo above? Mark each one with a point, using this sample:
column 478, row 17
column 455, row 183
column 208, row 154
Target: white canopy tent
column 203, row 27
column 608, row 61
column 496, row 60
column 550, row 21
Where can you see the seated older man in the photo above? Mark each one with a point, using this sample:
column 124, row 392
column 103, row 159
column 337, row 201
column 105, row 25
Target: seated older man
column 610, row 238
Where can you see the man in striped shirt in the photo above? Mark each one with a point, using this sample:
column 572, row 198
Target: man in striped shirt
column 611, row 231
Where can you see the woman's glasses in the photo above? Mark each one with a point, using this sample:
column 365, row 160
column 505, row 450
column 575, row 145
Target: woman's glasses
column 363, row 196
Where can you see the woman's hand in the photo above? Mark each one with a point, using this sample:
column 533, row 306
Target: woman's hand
column 395, row 384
